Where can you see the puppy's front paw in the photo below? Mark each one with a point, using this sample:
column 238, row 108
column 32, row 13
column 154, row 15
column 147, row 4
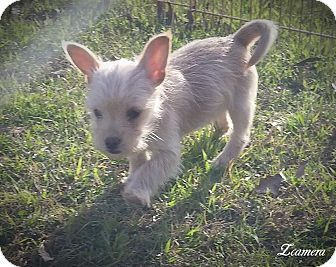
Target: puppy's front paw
column 136, row 196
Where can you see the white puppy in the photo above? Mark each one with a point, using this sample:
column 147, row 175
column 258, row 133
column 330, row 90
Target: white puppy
column 141, row 109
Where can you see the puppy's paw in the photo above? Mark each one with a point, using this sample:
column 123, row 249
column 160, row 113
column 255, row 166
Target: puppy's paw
column 136, row 196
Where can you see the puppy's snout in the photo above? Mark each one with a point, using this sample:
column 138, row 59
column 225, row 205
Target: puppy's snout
column 112, row 144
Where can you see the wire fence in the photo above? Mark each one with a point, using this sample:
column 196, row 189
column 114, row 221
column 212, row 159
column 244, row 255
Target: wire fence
column 309, row 21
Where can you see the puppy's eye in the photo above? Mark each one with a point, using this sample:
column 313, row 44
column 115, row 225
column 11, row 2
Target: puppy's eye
column 97, row 113
column 133, row 113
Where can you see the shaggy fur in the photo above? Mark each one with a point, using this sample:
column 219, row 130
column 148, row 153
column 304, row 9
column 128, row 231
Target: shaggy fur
column 141, row 109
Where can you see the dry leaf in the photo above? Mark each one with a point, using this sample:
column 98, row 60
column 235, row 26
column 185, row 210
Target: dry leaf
column 301, row 170
column 271, row 183
column 44, row 254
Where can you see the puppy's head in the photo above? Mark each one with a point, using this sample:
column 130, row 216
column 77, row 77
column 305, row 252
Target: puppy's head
column 123, row 98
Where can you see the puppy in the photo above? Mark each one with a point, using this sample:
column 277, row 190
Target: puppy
column 141, row 109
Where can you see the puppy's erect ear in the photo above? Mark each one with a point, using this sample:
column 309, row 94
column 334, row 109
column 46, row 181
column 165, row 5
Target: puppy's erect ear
column 81, row 57
column 155, row 56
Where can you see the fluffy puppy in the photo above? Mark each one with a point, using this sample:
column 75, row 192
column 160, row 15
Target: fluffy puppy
column 141, row 109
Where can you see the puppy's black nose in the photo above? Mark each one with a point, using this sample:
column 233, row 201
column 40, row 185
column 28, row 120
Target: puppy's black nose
column 112, row 144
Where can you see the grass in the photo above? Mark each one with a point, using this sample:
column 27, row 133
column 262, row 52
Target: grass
column 56, row 190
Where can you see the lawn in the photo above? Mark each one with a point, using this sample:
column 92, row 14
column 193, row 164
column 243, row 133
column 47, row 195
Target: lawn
column 60, row 202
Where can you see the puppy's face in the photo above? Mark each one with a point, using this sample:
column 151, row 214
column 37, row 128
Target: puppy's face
column 122, row 98
column 122, row 103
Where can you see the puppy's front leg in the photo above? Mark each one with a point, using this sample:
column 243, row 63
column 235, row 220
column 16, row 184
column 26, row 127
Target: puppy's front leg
column 144, row 181
column 138, row 159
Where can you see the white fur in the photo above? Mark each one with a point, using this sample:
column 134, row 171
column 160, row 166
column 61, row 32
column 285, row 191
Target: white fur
column 205, row 81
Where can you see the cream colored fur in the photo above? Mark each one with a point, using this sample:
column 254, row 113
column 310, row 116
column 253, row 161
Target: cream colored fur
column 205, row 81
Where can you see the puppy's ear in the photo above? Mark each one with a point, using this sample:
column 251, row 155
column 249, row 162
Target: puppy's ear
column 155, row 56
column 81, row 57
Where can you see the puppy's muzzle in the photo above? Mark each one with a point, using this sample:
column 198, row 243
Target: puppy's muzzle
column 112, row 144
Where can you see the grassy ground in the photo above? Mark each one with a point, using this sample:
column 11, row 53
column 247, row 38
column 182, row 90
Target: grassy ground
column 59, row 194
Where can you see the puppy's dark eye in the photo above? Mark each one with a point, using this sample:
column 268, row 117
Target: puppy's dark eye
column 133, row 113
column 97, row 113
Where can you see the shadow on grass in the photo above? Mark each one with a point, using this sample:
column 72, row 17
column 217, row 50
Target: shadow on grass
column 114, row 233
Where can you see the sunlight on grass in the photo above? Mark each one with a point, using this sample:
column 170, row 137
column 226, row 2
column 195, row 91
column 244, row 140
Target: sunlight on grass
column 41, row 46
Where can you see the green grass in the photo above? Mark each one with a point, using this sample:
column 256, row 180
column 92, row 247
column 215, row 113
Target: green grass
column 57, row 190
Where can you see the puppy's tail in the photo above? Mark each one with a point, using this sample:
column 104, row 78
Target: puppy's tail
column 263, row 30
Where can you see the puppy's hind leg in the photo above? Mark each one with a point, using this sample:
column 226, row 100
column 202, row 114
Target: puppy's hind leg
column 241, row 112
column 239, row 138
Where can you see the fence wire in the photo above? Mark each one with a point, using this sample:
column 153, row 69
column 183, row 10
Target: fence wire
column 301, row 19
